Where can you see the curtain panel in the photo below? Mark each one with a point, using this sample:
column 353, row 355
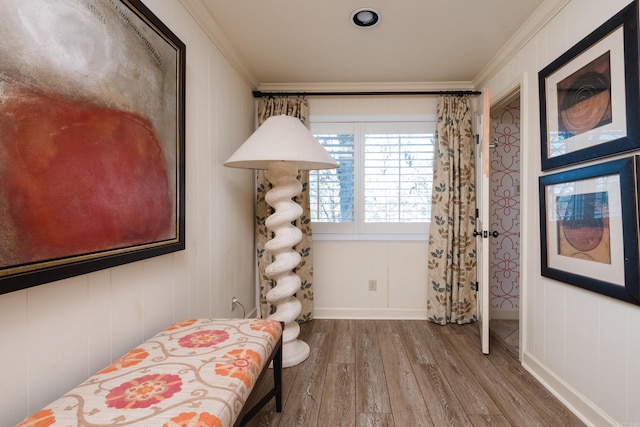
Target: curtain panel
column 451, row 292
column 296, row 107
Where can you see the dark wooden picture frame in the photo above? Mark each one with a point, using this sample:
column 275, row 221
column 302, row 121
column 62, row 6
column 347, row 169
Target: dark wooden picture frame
column 92, row 165
column 589, row 228
column 589, row 96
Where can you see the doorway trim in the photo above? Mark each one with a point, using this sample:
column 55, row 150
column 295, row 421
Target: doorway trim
column 501, row 99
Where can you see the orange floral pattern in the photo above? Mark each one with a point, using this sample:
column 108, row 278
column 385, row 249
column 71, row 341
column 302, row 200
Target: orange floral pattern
column 241, row 364
column 266, row 325
column 191, row 419
column 144, row 391
column 43, row 418
column 182, row 324
column 206, row 338
column 132, row 358
column 172, row 378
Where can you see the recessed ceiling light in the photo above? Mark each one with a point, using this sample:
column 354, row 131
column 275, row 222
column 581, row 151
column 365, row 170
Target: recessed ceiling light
column 365, row 17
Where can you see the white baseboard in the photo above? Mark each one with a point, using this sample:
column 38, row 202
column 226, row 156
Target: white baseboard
column 582, row 407
column 511, row 314
column 370, row 313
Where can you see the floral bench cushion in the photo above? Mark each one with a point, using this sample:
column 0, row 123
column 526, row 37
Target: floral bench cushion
column 196, row 372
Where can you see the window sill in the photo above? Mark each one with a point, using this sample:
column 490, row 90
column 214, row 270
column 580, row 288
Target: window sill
column 351, row 237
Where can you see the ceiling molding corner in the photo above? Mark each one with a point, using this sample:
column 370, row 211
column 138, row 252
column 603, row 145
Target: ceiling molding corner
column 203, row 16
column 532, row 26
column 365, row 86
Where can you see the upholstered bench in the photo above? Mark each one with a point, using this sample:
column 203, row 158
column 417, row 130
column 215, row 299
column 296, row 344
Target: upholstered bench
column 194, row 373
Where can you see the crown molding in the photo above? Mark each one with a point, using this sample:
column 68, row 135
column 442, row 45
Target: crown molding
column 366, row 87
column 531, row 27
column 203, row 16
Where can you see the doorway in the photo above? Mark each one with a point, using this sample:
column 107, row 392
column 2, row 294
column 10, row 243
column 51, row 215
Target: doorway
column 504, row 217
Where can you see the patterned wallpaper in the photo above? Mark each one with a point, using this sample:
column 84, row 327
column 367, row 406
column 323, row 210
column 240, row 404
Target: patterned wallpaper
column 504, row 259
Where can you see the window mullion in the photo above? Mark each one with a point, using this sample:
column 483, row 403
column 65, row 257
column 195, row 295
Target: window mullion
column 358, row 215
column 399, row 194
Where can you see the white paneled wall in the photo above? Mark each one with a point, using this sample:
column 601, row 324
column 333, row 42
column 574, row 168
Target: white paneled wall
column 55, row 335
column 342, row 271
column 585, row 346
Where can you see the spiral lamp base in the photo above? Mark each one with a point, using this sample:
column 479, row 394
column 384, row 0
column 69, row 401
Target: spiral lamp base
column 283, row 176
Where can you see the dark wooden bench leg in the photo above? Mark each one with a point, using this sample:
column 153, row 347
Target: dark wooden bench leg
column 277, row 377
column 276, row 391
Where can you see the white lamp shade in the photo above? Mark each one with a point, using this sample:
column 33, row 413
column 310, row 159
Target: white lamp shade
column 281, row 138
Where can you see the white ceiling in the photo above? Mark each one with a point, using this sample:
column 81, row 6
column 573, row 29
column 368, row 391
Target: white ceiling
column 299, row 42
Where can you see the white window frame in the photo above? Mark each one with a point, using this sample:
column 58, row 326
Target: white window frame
column 359, row 230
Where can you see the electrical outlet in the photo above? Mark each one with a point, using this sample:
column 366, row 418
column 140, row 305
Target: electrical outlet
column 233, row 303
column 373, row 285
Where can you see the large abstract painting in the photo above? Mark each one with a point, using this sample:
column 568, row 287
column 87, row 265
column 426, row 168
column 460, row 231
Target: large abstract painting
column 91, row 138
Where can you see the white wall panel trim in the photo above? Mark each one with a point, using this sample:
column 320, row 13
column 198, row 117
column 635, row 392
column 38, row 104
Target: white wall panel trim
column 370, row 313
column 581, row 406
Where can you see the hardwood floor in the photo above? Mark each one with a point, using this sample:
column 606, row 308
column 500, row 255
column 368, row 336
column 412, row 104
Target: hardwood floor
column 508, row 333
column 406, row 373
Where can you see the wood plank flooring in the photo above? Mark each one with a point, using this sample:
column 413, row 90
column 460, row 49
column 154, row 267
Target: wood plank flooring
column 507, row 332
column 408, row 373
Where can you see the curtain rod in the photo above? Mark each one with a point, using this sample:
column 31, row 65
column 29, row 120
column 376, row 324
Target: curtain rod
column 259, row 94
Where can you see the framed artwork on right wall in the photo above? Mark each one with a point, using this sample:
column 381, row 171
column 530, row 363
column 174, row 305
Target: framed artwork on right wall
column 589, row 228
column 590, row 95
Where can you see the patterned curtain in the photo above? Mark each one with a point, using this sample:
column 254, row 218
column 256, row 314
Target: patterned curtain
column 296, row 107
column 451, row 294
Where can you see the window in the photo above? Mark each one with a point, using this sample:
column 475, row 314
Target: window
column 383, row 184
